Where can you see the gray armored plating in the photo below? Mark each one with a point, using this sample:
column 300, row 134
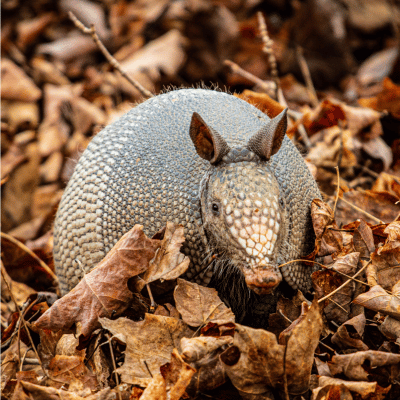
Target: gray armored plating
column 203, row 159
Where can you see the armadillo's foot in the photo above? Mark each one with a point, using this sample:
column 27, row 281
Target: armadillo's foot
column 262, row 279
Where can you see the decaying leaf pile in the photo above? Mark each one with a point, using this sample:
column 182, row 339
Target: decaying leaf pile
column 133, row 328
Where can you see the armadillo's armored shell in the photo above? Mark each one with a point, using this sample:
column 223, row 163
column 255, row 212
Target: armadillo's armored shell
column 143, row 169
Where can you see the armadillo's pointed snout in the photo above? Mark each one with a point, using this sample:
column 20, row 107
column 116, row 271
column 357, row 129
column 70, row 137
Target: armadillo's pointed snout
column 262, row 279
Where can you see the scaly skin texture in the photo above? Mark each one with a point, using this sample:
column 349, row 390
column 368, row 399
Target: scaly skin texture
column 144, row 169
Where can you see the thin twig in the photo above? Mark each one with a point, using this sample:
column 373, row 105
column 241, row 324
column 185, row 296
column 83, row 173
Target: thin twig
column 325, row 267
column 340, row 156
column 303, row 134
column 114, row 365
column 114, row 63
column 338, row 305
column 307, row 76
column 267, row 49
column 24, row 323
column 153, row 304
column 267, row 87
column 338, row 190
column 362, row 211
column 344, row 284
column 32, row 254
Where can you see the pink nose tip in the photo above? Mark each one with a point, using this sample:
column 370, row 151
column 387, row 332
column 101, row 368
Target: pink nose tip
column 262, row 280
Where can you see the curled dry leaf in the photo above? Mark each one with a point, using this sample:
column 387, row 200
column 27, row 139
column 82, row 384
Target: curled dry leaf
column 363, row 239
column 387, row 183
column 386, row 259
column 178, row 375
column 287, row 310
column 25, row 389
column 349, row 335
column 71, row 370
column 149, row 344
column 169, row 262
column 389, row 98
column 379, row 300
column 322, row 367
column 327, row 241
column 261, row 361
column 329, row 386
column 203, row 354
column 15, row 84
column 156, row 389
column 287, row 333
column 352, row 365
column 104, row 291
column 199, row 305
column 391, row 328
column 197, row 348
column 335, row 143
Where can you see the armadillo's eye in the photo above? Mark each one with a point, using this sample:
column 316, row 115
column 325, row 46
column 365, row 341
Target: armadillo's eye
column 215, row 208
column 281, row 202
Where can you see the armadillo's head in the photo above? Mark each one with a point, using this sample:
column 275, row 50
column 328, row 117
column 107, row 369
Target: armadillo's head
column 243, row 211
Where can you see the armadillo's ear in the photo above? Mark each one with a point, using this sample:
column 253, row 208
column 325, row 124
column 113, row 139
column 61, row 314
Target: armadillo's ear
column 208, row 143
column 267, row 141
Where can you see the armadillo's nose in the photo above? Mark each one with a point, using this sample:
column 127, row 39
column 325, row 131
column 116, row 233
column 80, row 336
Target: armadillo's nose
column 262, row 279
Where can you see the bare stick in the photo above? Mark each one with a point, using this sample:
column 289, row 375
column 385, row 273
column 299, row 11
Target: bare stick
column 267, row 49
column 153, row 304
column 265, row 86
column 303, row 134
column 32, row 254
column 115, row 64
column 114, row 366
column 325, row 267
column 362, row 211
column 307, row 77
column 344, row 284
column 338, row 190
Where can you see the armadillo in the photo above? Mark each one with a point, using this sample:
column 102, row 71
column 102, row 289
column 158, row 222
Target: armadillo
column 204, row 159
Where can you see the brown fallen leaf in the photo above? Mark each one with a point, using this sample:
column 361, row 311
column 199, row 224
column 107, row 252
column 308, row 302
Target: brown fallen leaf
column 387, row 183
column 162, row 55
column 387, row 100
column 149, row 344
column 262, row 101
column 71, row 370
column 194, row 349
column 177, row 374
column 199, row 305
column 104, row 291
column 328, row 240
column 203, row 354
column 352, row 365
column 329, row 388
column 379, row 300
column 363, row 239
column 349, row 334
column 381, row 205
column 169, row 262
column 386, row 259
column 390, row 327
column 288, row 310
column 15, row 84
column 337, row 306
column 156, row 389
column 261, row 362
column 25, row 389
